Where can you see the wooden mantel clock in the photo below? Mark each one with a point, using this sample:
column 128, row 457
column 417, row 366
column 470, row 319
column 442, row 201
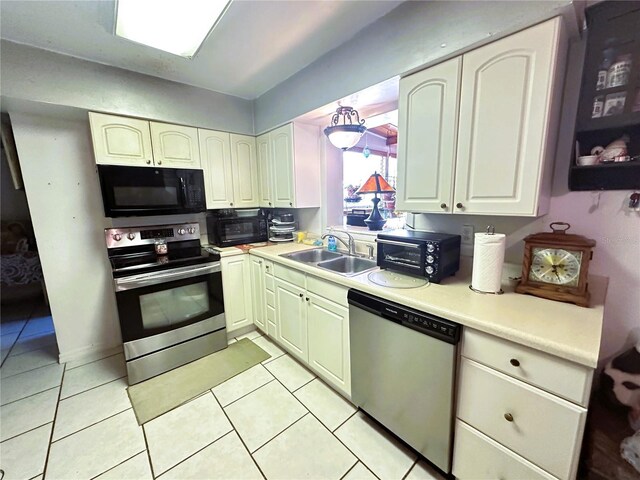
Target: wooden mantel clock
column 556, row 264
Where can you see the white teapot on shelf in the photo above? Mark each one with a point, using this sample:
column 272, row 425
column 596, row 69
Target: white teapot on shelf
column 616, row 151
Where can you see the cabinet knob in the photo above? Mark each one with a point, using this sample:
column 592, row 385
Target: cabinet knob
column 269, row 203
column 148, row 162
column 231, row 203
column 267, row 267
column 159, row 162
column 508, row 417
column 514, row 362
column 459, row 205
column 301, row 295
column 306, row 298
column 443, row 206
column 291, row 204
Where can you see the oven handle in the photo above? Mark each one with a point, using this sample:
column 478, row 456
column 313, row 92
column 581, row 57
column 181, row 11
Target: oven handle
column 400, row 244
column 146, row 279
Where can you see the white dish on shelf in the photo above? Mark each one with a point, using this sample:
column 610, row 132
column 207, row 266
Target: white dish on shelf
column 274, row 239
column 278, row 222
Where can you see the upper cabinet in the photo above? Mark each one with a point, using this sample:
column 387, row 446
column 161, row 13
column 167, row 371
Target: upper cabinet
column 175, row 146
column 290, row 167
column 120, row 140
column 230, row 169
column 504, row 129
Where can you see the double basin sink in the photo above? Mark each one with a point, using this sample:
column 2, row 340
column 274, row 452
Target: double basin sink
column 342, row 264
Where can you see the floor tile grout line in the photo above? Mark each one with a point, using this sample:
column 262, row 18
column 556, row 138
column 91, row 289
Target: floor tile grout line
column 31, row 370
column 29, row 396
column 279, row 433
column 18, row 336
column 240, row 437
column 352, row 467
column 265, row 362
column 146, row 444
column 411, row 468
column 26, row 431
column 53, row 424
column 89, row 426
column 303, row 385
column 248, row 393
column 92, row 388
column 96, row 360
column 345, row 421
column 111, row 468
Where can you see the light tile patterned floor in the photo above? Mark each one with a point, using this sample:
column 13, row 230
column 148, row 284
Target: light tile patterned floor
column 275, row 421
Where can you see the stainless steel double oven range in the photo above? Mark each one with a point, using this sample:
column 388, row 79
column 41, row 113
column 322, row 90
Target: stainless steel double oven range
column 169, row 296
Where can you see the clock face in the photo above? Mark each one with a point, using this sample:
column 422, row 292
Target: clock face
column 555, row 266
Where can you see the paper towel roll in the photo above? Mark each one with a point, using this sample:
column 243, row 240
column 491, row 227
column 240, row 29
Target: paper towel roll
column 488, row 259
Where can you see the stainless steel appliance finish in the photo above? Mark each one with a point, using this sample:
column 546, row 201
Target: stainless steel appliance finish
column 403, row 366
column 434, row 256
column 170, row 306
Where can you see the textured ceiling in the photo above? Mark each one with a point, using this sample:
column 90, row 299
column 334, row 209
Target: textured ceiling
column 255, row 46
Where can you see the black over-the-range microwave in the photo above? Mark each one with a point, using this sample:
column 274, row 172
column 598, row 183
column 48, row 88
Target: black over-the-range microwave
column 141, row 191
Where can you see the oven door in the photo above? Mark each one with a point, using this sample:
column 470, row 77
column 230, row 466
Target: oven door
column 236, row 231
column 168, row 307
column 402, row 256
column 136, row 191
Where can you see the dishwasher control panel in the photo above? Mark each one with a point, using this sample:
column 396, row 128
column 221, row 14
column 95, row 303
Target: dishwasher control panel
column 421, row 321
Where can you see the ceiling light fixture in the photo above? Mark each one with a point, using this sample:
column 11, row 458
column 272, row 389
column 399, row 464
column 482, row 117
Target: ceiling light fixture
column 178, row 27
column 346, row 134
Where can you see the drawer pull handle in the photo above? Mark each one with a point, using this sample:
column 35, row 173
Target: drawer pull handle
column 508, row 417
column 514, row 362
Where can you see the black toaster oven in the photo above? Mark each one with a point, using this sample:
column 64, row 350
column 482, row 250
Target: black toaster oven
column 425, row 254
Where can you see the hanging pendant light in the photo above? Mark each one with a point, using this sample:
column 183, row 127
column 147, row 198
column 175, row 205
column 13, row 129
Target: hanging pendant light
column 346, row 134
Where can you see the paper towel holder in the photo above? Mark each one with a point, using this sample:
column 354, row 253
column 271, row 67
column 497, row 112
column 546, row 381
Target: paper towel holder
column 500, row 292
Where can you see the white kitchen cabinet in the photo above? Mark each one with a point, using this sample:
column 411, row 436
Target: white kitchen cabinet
column 258, row 294
column 291, row 178
column 175, row 146
column 499, row 414
column 121, row 140
column 328, row 334
column 506, row 107
column 215, row 151
column 245, row 171
column 263, row 148
column 291, row 317
column 236, row 285
column 428, row 127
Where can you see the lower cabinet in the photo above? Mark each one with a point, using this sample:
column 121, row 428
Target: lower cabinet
column 236, row 285
column 291, row 312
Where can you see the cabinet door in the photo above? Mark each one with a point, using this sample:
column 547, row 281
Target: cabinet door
column 258, row 293
column 291, row 318
column 264, row 170
column 328, row 333
column 215, row 150
column 120, row 140
column 504, row 122
column 428, row 125
column 236, row 285
column 281, row 140
column 175, row 146
column 245, row 171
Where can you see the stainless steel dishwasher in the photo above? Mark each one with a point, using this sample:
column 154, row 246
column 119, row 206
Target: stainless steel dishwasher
column 403, row 364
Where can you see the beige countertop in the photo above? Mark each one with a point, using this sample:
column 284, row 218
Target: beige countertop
column 557, row 328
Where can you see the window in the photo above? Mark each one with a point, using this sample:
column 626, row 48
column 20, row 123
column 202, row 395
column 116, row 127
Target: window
column 356, row 170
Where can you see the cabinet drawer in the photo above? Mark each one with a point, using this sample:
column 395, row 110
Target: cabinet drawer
column 331, row 291
column 564, row 378
column 290, row 275
column 270, row 298
column 477, row 457
column 268, row 283
column 268, row 267
column 544, row 429
column 271, row 321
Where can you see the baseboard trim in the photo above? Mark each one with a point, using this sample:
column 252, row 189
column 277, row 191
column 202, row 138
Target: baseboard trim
column 80, row 356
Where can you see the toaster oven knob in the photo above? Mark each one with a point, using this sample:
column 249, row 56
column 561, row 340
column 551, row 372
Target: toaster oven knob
column 430, row 258
column 191, row 230
column 131, row 236
column 429, row 269
column 181, row 231
column 117, row 237
column 431, row 248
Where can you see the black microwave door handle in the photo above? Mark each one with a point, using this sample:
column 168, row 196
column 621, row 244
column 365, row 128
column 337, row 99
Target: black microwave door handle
column 183, row 188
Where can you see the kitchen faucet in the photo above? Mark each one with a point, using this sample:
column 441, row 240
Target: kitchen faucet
column 351, row 246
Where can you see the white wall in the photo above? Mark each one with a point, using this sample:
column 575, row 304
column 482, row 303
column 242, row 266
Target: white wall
column 407, row 38
column 62, row 188
column 40, row 76
column 13, row 202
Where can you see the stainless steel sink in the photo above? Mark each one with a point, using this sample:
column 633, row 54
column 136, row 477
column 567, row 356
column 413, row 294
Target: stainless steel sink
column 348, row 266
column 313, row 256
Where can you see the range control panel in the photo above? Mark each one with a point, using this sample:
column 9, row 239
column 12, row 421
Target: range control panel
column 134, row 236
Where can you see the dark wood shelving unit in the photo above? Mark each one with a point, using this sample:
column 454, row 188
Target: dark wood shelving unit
column 611, row 26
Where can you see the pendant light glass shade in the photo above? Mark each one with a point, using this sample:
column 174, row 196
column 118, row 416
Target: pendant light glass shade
column 346, row 134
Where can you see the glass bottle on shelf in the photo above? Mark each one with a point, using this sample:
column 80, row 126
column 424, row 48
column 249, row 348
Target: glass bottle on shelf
column 608, row 55
column 619, row 71
column 598, row 106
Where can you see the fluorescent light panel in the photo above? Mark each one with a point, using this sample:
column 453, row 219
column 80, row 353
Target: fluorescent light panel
column 175, row 26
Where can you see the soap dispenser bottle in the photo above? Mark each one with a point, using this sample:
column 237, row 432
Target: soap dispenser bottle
column 331, row 244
